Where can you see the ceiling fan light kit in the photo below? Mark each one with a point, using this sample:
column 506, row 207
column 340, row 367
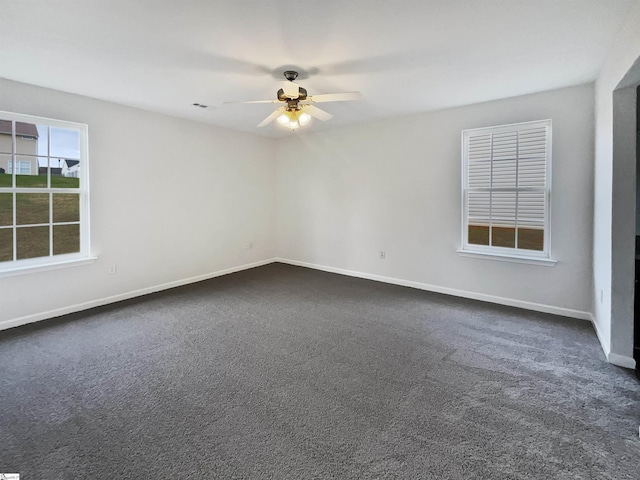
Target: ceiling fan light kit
column 299, row 109
column 293, row 119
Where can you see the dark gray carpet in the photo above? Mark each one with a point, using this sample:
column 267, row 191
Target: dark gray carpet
column 289, row 373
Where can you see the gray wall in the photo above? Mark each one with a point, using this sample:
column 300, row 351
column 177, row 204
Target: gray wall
column 614, row 196
column 623, row 219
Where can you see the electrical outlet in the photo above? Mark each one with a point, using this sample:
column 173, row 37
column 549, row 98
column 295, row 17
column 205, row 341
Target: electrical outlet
column 601, row 295
column 112, row 270
column 249, row 245
column 383, row 255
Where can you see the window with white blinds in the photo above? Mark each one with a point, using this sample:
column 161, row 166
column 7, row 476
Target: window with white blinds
column 506, row 186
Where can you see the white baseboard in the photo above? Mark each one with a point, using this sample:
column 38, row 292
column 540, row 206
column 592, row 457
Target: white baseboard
column 621, row 360
column 538, row 307
column 614, row 358
column 605, row 345
column 125, row 296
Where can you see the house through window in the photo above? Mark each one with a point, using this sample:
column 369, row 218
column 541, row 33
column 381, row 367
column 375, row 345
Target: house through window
column 506, row 187
column 44, row 199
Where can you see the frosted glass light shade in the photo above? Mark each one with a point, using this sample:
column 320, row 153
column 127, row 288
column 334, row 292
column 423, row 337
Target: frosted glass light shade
column 293, row 119
column 304, row 118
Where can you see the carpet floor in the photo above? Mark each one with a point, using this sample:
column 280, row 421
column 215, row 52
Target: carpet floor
column 288, row 373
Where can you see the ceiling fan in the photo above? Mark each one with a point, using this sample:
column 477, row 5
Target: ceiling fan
column 298, row 106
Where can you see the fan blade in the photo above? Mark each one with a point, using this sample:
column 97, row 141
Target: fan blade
column 335, row 97
column 291, row 89
column 317, row 113
column 253, row 101
column 272, row 117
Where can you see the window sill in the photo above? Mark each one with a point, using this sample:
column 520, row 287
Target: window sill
column 42, row 267
column 547, row 262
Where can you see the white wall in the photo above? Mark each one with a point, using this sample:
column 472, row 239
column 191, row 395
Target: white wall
column 342, row 196
column 170, row 200
column 611, row 252
column 332, row 199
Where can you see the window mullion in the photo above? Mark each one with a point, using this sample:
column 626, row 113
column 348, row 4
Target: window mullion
column 50, row 224
column 515, row 224
column 50, row 192
column 491, row 190
column 13, row 185
column 15, row 230
column 48, row 157
column 13, row 153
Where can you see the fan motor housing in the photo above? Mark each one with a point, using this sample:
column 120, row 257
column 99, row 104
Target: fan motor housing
column 302, row 95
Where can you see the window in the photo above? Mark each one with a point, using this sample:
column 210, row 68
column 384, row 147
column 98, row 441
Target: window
column 506, row 190
column 24, row 168
column 43, row 214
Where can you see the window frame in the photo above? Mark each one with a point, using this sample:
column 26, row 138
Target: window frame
column 16, row 266
column 515, row 254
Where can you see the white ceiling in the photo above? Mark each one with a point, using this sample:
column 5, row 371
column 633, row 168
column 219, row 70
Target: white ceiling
column 405, row 56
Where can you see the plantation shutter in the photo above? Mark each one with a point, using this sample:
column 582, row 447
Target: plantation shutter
column 506, row 186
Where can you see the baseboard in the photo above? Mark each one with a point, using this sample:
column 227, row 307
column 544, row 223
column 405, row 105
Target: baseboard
column 538, row 307
column 621, row 360
column 16, row 322
column 605, row 345
column 613, row 358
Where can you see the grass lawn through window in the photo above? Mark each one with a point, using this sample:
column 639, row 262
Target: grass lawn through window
column 34, row 209
column 528, row 238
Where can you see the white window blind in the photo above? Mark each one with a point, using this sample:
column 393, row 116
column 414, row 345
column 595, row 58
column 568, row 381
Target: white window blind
column 506, row 185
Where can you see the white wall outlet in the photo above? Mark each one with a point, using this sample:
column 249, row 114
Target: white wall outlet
column 601, row 295
column 112, row 270
column 249, row 245
column 383, row 255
